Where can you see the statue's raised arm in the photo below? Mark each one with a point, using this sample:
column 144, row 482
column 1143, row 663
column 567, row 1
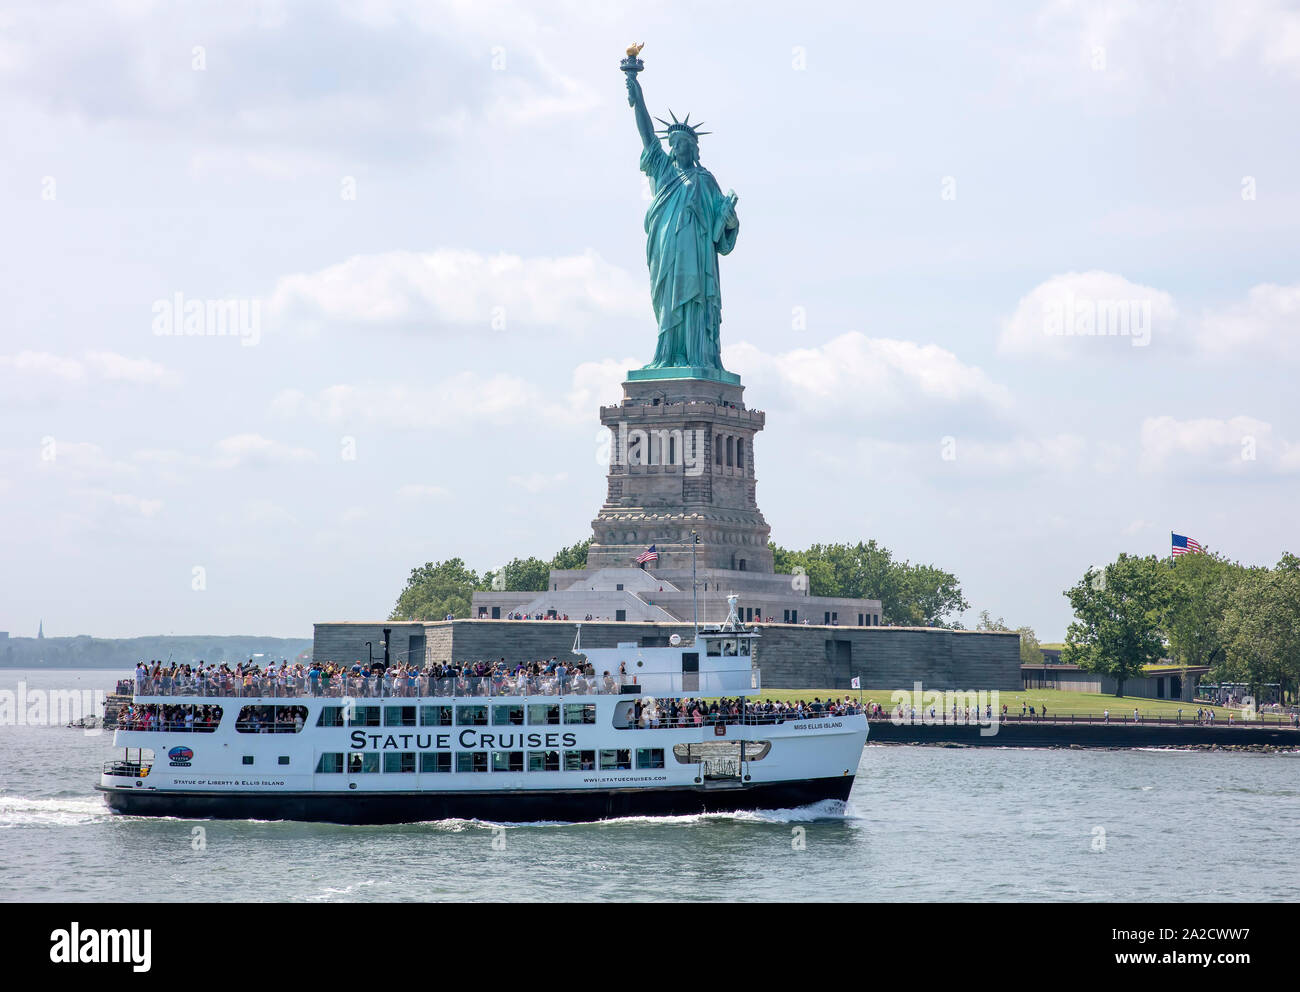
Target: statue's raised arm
column 636, row 101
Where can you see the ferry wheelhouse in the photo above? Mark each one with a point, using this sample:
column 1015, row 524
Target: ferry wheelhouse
column 593, row 744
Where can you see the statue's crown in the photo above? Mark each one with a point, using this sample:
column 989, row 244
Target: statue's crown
column 682, row 125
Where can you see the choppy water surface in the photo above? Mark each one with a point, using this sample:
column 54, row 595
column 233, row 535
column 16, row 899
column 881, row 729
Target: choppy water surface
column 922, row 824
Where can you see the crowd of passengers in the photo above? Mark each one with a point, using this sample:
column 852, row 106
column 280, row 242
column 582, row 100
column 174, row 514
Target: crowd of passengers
column 157, row 716
column 481, row 678
column 553, row 677
column 671, row 712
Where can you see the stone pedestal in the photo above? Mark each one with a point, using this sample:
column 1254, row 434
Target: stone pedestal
column 681, row 460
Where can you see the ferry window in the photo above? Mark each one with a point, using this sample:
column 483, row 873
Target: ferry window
column 330, row 764
column 507, row 761
column 744, row 648
column 435, row 761
column 471, row 716
column 435, row 716
column 399, row 761
column 364, row 716
column 579, row 761
column 363, row 764
column 284, row 759
column 649, row 757
column 688, row 754
column 543, row 761
column 543, row 713
column 471, row 761
column 508, row 716
column 729, row 648
column 248, row 759
column 271, row 719
column 620, row 759
column 330, row 716
column 713, row 647
column 399, row 716
column 579, row 712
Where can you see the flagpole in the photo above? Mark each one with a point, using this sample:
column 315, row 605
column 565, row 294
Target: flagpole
column 695, row 605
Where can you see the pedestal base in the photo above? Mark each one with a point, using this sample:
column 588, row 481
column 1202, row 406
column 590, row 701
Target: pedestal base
column 684, row 372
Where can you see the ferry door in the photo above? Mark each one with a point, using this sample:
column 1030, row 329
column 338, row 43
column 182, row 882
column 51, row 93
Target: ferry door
column 690, row 671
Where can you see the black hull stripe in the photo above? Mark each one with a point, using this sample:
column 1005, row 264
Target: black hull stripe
column 500, row 807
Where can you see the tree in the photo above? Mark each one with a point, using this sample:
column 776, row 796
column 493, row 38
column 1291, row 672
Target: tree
column 1030, row 652
column 436, row 589
column 520, row 575
column 928, row 595
column 573, row 557
column 914, row 595
column 1200, row 587
column 1262, row 626
column 1117, row 631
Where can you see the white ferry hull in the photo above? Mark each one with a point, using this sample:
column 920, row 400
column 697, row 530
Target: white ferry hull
column 500, row 807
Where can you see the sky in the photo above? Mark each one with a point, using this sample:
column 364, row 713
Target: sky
column 406, row 242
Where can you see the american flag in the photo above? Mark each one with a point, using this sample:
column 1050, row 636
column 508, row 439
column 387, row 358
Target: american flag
column 1182, row 545
column 650, row 554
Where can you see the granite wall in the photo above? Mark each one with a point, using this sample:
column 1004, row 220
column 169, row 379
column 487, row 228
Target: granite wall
column 795, row 656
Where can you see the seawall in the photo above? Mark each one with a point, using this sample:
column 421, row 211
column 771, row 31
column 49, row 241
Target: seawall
column 1051, row 733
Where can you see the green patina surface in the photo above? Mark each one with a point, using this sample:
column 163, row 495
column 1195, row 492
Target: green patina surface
column 690, row 223
column 683, row 372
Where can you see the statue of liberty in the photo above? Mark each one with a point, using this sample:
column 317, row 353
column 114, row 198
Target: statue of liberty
column 688, row 225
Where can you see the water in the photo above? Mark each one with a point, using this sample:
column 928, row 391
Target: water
column 922, row 824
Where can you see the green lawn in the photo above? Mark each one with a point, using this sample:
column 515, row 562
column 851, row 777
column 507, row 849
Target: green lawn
column 1057, row 702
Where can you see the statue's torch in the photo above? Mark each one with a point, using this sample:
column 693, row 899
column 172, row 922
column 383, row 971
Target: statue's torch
column 632, row 65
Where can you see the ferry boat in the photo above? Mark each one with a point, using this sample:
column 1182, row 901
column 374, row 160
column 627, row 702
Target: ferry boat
column 588, row 746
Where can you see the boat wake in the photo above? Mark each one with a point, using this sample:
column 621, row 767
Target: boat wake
column 19, row 811
column 826, row 809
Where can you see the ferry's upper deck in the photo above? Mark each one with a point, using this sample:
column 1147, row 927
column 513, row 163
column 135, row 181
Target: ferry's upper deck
column 718, row 662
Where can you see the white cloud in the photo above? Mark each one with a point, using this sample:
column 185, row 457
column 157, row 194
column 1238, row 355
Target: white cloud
column 261, row 97
column 1235, row 447
column 1059, row 454
column 42, row 363
column 460, row 288
column 1123, row 49
column 1266, row 323
column 969, row 458
column 864, row 377
column 111, row 366
column 536, row 482
column 464, row 398
column 597, row 384
column 240, row 450
column 1089, row 314
column 125, row 501
column 92, row 366
column 77, row 460
column 417, row 491
column 265, row 511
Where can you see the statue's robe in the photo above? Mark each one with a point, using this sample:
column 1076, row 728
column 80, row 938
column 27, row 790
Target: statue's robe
column 685, row 234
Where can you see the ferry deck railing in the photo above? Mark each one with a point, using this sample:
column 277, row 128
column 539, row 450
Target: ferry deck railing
column 427, row 686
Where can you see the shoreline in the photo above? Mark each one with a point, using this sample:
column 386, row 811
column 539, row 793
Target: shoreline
column 1051, row 734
